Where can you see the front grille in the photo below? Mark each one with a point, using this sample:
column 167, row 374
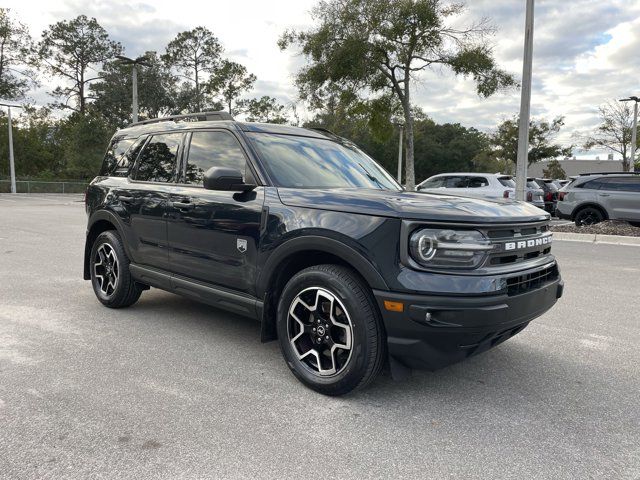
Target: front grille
column 515, row 234
column 531, row 281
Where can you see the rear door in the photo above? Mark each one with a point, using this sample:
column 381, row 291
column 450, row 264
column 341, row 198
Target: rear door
column 145, row 199
column 621, row 196
column 213, row 235
column 454, row 184
column 478, row 186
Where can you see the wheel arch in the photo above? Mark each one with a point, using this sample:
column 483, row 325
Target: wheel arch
column 99, row 222
column 300, row 253
column 597, row 206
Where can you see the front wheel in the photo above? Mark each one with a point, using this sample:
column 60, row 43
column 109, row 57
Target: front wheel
column 112, row 282
column 329, row 330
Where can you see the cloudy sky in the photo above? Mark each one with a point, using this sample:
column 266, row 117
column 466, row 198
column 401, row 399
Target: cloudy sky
column 585, row 51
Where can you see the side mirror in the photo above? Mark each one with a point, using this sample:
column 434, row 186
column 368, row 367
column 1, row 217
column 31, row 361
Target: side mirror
column 223, row 178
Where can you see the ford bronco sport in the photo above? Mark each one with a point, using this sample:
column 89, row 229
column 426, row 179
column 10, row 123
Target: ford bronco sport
column 301, row 230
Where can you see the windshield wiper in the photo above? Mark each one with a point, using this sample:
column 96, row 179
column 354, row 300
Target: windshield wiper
column 371, row 177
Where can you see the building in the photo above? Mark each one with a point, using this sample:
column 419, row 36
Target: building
column 573, row 166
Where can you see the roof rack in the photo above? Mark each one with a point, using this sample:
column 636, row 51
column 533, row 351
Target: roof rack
column 194, row 117
column 609, row 173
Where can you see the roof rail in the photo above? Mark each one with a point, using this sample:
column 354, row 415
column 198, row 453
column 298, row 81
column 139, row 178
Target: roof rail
column 195, row 117
column 609, row 173
column 322, row 129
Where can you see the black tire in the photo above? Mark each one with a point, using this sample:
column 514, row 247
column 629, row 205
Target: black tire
column 354, row 306
column 588, row 216
column 123, row 291
column 635, row 224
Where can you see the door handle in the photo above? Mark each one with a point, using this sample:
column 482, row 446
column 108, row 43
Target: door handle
column 183, row 205
column 125, row 198
column 604, row 194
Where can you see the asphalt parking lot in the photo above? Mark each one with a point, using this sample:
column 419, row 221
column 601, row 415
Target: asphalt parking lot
column 173, row 389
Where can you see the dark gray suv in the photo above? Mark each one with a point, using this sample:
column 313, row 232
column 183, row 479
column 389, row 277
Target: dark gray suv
column 592, row 198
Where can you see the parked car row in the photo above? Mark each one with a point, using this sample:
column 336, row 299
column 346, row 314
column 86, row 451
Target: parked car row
column 584, row 199
column 491, row 186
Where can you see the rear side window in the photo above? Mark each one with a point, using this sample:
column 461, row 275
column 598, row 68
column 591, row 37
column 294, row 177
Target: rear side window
column 621, row 184
column 115, row 158
column 478, row 182
column 157, row 161
column 455, row 182
column 532, row 184
column 213, row 149
column 591, row 184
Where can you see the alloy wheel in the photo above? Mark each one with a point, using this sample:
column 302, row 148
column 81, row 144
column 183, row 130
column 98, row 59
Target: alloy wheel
column 589, row 218
column 320, row 331
column 106, row 268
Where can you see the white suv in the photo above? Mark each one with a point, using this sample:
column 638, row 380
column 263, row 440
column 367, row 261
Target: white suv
column 480, row 185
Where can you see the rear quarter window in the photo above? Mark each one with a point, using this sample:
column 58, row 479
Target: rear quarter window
column 507, row 182
column 115, row 159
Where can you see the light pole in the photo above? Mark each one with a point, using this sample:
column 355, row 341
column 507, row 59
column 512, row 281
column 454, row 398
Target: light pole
column 525, row 105
column 400, row 125
column 12, row 166
column 634, row 131
column 143, row 61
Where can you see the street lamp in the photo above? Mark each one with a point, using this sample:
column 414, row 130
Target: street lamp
column 143, row 61
column 632, row 161
column 525, row 105
column 400, row 125
column 12, row 167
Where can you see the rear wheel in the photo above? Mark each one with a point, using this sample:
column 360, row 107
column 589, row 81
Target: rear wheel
column 112, row 282
column 329, row 330
column 588, row 216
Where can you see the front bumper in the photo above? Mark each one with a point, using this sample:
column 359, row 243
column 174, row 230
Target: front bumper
column 434, row 331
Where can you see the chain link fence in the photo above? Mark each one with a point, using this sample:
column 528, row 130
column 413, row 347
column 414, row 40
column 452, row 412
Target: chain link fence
column 39, row 186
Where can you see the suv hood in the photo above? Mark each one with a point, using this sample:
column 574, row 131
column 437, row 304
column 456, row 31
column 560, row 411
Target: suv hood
column 412, row 205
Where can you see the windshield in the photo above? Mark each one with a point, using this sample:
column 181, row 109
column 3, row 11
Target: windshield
column 304, row 162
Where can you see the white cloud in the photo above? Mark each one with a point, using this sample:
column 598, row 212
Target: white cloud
column 585, row 51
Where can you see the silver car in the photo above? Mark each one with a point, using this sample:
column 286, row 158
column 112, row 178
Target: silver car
column 592, row 198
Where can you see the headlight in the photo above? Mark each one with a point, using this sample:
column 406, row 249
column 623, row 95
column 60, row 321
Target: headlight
column 436, row 248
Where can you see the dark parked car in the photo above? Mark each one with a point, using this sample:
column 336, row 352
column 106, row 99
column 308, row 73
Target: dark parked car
column 301, row 230
column 550, row 193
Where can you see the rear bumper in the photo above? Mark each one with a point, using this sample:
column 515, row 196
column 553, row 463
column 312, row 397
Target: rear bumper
column 435, row 331
column 550, row 207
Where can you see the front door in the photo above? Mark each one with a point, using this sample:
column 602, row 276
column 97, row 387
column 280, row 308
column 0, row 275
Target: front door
column 213, row 235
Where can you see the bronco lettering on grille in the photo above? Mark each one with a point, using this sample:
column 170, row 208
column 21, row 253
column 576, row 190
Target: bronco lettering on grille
column 536, row 242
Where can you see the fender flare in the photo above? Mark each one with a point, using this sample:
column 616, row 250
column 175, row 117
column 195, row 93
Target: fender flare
column 323, row 244
column 96, row 217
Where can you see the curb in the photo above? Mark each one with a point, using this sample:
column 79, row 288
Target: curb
column 597, row 238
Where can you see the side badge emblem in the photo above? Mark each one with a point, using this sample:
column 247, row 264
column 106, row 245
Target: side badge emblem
column 242, row 245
